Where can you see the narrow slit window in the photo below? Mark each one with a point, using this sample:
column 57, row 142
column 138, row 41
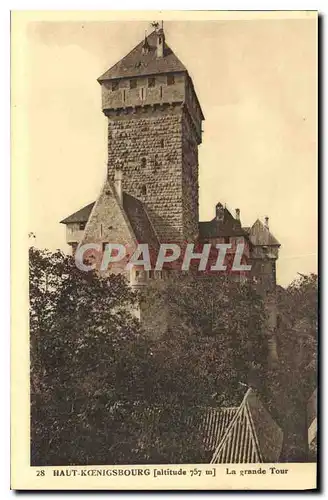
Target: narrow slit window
column 170, row 80
column 115, row 85
column 151, row 82
column 142, row 93
column 133, row 84
column 124, row 95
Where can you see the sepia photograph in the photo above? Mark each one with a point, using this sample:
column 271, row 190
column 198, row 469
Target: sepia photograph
column 171, row 182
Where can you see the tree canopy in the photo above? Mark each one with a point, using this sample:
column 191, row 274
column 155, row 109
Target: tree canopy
column 107, row 389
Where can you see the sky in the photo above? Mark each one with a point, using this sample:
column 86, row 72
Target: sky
column 256, row 81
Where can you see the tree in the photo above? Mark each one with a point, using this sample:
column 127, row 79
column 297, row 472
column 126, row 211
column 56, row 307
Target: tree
column 106, row 390
column 214, row 339
column 82, row 330
column 294, row 381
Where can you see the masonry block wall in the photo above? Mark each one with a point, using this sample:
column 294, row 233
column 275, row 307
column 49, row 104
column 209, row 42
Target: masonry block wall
column 119, row 94
column 190, row 184
column 157, row 153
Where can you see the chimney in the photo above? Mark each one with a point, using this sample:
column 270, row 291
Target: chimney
column 266, row 222
column 237, row 214
column 118, row 184
column 160, row 41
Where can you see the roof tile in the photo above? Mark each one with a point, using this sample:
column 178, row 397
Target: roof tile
column 137, row 64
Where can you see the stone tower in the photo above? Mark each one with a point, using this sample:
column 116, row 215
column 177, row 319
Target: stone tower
column 154, row 130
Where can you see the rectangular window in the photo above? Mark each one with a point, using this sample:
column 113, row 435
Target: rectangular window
column 133, row 84
column 274, row 271
column 104, row 243
column 82, row 226
column 115, row 85
column 170, row 80
column 151, row 82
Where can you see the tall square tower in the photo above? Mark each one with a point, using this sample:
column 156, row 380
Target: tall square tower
column 154, row 130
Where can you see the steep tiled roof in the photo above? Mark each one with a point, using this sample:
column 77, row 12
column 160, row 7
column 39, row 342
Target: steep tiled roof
column 251, row 436
column 138, row 217
column 260, row 235
column 81, row 215
column 136, row 63
column 227, row 226
column 136, row 213
column 214, row 425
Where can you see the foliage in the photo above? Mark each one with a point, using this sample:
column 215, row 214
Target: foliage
column 294, row 380
column 104, row 391
column 214, row 342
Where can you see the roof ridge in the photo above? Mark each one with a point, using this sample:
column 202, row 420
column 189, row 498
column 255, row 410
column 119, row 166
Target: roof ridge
column 230, row 426
column 150, row 64
column 126, row 55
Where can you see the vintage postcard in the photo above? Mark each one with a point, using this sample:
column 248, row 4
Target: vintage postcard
column 164, row 250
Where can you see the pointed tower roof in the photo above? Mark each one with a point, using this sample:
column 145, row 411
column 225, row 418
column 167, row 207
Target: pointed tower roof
column 260, row 235
column 140, row 62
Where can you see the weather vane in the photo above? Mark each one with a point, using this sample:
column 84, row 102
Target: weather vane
column 155, row 24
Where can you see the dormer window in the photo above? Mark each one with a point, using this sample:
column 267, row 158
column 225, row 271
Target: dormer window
column 219, row 212
column 170, row 80
column 151, row 82
column 133, row 84
column 115, row 85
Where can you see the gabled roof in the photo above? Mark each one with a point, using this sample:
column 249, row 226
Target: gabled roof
column 136, row 63
column 139, row 220
column 136, row 214
column 81, row 215
column 260, row 235
column 251, row 436
column 227, row 226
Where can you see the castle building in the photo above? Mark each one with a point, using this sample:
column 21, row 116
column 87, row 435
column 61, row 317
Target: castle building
column 151, row 193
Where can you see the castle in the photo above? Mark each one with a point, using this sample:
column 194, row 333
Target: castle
column 151, row 194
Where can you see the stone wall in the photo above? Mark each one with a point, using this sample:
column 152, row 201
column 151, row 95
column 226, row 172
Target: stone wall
column 143, row 94
column 156, row 151
column 190, row 185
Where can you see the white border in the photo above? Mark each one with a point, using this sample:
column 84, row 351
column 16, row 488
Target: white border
column 5, row 172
